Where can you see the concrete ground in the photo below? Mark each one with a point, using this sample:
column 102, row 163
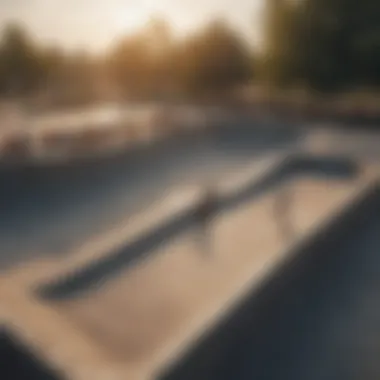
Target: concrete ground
column 92, row 311
column 320, row 322
column 57, row 209
column 134, row 320
column 328, row 327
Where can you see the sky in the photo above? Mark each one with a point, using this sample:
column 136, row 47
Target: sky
column 94, row 24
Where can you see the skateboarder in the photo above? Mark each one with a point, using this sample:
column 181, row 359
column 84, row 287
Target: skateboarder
column 204, row 214
column 283, row 212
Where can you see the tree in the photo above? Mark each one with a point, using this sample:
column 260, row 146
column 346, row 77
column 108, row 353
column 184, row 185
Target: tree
column 130, row 65
column 141, row 64
column 160, row 44
column 279, row 23
column 21, row 69
column 214, row 60
column 326, row 44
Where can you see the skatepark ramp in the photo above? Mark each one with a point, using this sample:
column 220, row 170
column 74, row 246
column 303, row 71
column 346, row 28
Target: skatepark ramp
column 191, row 315
column 276, row 331
column 276, row 171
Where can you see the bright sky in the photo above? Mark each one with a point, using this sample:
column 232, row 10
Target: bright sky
column 94, row 23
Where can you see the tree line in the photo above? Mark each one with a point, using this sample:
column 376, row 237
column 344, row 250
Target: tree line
column 326, row 45
column 149, row 64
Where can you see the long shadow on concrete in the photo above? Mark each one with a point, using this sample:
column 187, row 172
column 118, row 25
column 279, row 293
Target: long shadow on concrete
column 49, row 209
column 87, row 278
column 316, row 317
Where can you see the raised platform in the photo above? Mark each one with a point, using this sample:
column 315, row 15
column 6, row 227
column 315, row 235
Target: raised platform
column 132, row 321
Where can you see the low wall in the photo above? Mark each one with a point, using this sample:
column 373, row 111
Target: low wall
column 18, row 363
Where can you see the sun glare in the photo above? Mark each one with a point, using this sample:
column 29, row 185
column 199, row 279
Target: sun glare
column 130, row 19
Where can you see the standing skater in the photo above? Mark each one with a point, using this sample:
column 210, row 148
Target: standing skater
column 283, row 213
column 204, row 214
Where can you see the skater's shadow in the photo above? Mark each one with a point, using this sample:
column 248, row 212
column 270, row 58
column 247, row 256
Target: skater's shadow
column 301, row 165
column 90, row 276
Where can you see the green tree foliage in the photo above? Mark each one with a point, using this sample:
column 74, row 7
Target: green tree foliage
column 326, row 44
column 279, row 27
column 161, row 45
column 21, row 69
column 131, row 65
column 150, row 63
column 215, row 59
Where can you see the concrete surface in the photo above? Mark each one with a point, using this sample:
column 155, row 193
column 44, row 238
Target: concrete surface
column 133, row 319
column 56, row 209
column 139, row 320
column 317, row 317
